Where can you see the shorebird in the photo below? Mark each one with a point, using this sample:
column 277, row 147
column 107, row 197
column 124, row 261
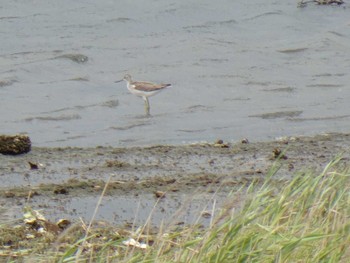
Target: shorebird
column 143, row 89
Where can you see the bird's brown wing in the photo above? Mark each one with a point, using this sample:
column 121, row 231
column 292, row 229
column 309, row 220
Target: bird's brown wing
column 147, row 86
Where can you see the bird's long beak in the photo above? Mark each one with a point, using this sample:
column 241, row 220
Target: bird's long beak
column 118, row 81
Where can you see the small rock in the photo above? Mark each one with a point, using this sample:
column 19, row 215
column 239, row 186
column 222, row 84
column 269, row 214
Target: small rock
column 63, row 223
column 245, row 141
column 60, row 191
column 159, row 194
column 33, row 166
column 206, row 214
column 220, row 143
column 290, row 167
column 277, row 153
column 78, row 58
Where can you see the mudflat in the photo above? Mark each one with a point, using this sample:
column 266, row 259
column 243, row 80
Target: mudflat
column 67, row 182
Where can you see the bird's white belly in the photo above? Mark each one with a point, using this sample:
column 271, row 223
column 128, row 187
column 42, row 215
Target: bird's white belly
column 141, row 93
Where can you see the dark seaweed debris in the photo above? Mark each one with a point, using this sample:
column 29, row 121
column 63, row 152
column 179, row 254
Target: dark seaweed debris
column 14, row 144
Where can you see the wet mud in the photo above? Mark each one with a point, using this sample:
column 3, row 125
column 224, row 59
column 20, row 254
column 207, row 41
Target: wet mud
column 157, row 180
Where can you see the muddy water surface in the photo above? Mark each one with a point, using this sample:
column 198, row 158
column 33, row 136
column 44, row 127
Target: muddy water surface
column 256, row 69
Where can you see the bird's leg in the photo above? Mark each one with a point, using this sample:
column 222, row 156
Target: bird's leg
column 147, row 107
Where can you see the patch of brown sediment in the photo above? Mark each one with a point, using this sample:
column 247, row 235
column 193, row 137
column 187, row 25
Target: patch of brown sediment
column 323, row 85
column 4, row 83
column 63, row 117
column 78, row 58
column 286, row 89
column 291, row 50
column 303, row 3
column 322, row 118
column 278, row 114
column 79, row 79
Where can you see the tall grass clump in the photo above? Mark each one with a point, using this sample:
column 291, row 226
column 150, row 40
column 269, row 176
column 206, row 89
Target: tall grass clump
column 304, row 219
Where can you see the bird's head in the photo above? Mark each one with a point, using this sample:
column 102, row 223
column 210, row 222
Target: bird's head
column 127, row 78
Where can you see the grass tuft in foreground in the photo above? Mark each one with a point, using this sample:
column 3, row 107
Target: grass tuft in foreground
column 305, row 219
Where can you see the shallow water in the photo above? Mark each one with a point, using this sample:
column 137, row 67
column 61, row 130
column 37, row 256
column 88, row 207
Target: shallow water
column 128, row 210
column 256, row 69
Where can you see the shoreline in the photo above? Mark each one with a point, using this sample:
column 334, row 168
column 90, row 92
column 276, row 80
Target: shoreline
column 71, row 179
